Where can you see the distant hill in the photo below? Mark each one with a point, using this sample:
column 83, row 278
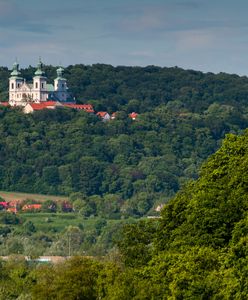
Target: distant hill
column 122, row 167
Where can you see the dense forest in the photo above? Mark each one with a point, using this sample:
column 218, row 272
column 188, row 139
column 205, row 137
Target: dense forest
column 197, row 250
column 123, row 167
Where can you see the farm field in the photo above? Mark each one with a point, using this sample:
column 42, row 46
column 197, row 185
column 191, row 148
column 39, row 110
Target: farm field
column 57, row 222
column 10, row 196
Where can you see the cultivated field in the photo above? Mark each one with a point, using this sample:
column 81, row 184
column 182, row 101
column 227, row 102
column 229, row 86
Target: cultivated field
column 10, row 196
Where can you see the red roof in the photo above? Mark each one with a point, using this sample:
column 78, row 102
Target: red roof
column 12, row 209
column 37, row 106
column 4, row 103
column 133, row 115
column 31, row 206
column 42, row 105
column 14, row 202
column 102, row 114
column 86, row 107
column 4, row 204
column 49, row 103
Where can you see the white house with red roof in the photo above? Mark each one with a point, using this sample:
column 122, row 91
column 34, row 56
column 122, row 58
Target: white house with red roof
column 31, row 107
column 133, row 115
column 103, row 115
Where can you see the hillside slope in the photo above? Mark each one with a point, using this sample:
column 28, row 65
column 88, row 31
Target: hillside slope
column 199, row 250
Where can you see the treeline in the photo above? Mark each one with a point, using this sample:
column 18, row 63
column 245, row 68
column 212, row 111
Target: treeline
column 197, row 250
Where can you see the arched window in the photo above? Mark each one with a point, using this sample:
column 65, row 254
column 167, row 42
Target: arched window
column 36, row 85
column 12, row 85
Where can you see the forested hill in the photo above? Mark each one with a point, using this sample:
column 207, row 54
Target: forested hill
column 143, row 89
column 122, row 167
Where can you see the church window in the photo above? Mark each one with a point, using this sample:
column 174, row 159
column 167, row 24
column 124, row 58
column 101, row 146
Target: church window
column 63, row 85
column 42, row 85
column 36, row 85
column 18, row 85
column 12, row 86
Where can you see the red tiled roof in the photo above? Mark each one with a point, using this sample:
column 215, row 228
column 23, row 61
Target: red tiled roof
column 4, row 103
column 12, row 209
column 42, row 105
column 86, row 107
column 31, row 206
column 49, row 103
column 38, row 106
column 101, row 114
column 133, row 115
column 13, row 202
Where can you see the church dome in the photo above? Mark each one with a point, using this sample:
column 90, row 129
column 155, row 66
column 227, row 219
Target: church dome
column 15, row 70
column 39, row 71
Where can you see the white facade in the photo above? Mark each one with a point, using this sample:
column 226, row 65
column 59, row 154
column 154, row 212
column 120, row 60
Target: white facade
column 21, row 93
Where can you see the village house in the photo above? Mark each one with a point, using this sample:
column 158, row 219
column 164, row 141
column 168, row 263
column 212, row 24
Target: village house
column 133, row 115
column 103, row 115
column 31, row 207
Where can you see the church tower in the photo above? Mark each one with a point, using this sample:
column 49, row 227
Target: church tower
column 60, row 86
column 15, row 82
column 39, row 84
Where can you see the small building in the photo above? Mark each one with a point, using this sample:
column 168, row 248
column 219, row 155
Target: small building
column 113, row 116
column 103, row 115
column 6, row 104
column 133, row 115
column 4, row 204
column 30, row 207
column 31, row 107
column 86, row 107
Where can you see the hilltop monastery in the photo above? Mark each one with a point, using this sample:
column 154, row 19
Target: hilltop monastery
column 21, row 93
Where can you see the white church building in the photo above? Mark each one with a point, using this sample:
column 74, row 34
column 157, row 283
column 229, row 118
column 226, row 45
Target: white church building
column 21, row 93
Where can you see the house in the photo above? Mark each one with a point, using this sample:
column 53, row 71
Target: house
column 30, row 207
column 103, row 115
column 31, row 107
column 4, row 205
column 113, row 116
column 6, row 104
column 133, row 115
column 159, row 207
column 86, row 107
column 12, row 210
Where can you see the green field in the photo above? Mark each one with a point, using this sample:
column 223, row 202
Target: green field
column 10, row 196
column 57, row 222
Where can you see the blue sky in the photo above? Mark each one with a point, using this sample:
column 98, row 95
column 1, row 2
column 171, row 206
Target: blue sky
column 203, row 35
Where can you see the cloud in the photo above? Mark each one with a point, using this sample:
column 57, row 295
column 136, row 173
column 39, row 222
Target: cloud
column 196, row 39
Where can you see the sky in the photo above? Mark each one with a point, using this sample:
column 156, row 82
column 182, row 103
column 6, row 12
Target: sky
column 205, row 35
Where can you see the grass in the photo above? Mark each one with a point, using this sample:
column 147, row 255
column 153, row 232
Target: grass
column 57, row 222
column 10, row 196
